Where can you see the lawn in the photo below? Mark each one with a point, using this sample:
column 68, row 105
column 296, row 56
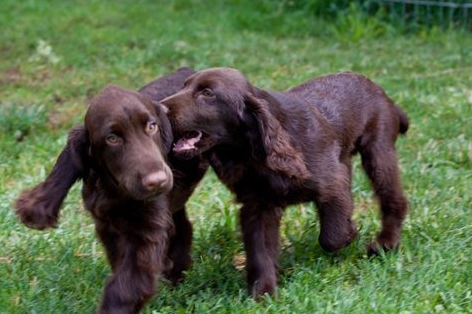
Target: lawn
column 55, row 55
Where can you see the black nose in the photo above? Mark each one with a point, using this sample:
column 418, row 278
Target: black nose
column 155, row 181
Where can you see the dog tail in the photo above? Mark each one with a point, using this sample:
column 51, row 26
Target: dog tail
column 404, row 121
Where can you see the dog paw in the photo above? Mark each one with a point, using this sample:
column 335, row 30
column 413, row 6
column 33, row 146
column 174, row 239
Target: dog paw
column 334, row 240
column 175, row 272
column 263, row 287
column 379, row 246
column 175, row 277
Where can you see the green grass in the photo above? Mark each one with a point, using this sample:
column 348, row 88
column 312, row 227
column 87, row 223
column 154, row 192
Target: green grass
column 54, row 55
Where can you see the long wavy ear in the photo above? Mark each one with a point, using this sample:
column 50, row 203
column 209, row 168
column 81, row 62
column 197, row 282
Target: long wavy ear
column 281, row 156
column 39, row 207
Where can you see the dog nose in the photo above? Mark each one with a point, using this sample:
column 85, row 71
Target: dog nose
column 169, row 101
column 164, row 108
column 165, row 102
column 155, row 181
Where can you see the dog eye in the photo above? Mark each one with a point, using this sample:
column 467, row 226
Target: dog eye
column 113, row 139
column 151, row 127
column 208, row 92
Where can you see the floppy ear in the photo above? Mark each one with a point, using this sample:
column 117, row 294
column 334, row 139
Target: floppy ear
column 39, row 207
column 164, row 126
column 281, row 156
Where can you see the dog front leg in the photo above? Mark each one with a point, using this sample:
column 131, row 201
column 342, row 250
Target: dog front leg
column 260, row 228
column 335, row 207
column 178, row 254
column 133, row 281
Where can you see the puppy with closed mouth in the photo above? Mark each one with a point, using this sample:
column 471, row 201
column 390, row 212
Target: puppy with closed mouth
column 276, row 149
column 134, row 191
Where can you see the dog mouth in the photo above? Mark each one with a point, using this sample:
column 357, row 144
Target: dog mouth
column 187, row 143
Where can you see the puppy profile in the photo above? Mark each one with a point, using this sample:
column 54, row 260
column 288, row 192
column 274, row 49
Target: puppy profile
column 274, row 149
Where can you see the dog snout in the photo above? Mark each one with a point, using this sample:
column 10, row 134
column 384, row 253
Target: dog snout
column 166, row 102
column 157, row 181
column 175, row 99
column 164, row 105
column 164, row 108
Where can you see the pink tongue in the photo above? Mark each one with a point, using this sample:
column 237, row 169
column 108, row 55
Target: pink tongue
column 187, row 143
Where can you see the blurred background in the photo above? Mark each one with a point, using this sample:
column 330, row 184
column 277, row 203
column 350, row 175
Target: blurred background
column 56, row 55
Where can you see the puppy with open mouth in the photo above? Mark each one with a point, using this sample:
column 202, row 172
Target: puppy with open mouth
column 275, row 149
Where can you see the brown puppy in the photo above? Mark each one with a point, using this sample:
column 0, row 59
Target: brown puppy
column 275, row 149
column 121, row 155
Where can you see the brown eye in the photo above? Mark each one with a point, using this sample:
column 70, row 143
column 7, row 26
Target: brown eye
column 208, row 92
column 151, row 127
column 113, row 139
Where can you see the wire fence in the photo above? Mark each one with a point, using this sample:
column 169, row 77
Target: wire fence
column 421, row 12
